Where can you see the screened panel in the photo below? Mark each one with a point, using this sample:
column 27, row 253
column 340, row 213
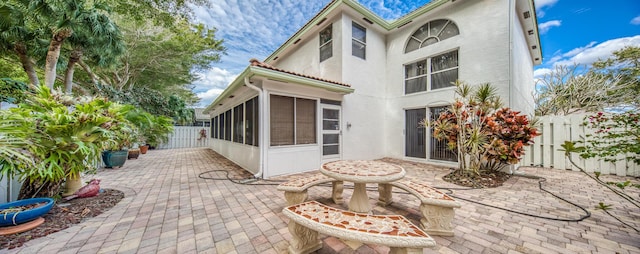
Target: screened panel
column 305, row 121
column 439, row 150
column 330, row 119
column 282, row 120
column 415, row 137
column 227, row 125
column 238, row 125
column 330, row 149
column 214, row 127
column 221, row 125
column 251, row 122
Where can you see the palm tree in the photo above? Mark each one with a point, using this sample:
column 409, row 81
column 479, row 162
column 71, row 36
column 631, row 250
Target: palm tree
column 100, row 40
column 16, row 36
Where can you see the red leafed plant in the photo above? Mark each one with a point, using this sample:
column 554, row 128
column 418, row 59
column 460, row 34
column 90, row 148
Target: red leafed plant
column 485, row 135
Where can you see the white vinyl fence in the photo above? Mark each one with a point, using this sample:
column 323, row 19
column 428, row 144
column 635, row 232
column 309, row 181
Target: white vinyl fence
column 557, row 129
column 186, row 137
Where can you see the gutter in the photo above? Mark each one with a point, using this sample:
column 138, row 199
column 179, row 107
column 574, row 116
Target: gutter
column 261, row 114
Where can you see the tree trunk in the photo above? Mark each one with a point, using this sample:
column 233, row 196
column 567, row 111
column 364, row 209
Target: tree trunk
column 52, row 57
column 76, row 54
column 27, row 64
column 39, row 189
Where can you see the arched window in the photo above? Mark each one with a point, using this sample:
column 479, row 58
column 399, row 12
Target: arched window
column 430, row 33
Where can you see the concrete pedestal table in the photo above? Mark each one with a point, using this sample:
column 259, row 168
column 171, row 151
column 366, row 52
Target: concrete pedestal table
column 361, row 172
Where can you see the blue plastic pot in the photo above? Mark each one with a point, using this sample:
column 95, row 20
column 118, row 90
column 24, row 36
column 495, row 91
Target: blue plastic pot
column 12, row 219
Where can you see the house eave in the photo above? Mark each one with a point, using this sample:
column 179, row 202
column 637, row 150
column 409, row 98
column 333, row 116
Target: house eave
column 253, row 71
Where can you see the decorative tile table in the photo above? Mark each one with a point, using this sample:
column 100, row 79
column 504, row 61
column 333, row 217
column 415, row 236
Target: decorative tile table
column 361, row 172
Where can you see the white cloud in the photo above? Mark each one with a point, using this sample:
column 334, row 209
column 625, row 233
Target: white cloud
column 211, row 84
column 635, row 21
column 544, row 27
column 576, row 51
column 543, row 4
column 208, row 96
column 539, row 73
column 588, row 54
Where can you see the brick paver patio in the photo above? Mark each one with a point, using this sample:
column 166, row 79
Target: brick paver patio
column 169, row 209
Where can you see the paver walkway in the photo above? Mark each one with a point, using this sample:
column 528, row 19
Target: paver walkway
column 169, row 209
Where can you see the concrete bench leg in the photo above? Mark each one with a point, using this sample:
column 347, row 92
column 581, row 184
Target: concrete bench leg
column 436, row 220
column 336, row 193
column 396, row 250
column 304, row 240
column 295, row 197
column 385, row 195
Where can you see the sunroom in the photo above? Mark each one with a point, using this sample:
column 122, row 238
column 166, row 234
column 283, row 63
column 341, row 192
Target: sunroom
column 274, row 122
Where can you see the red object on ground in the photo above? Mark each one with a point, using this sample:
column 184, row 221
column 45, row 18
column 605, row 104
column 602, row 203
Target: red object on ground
column 86, row 191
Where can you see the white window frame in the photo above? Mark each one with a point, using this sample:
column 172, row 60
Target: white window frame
column 428, row 74
column 355, row 25
column 330, row 41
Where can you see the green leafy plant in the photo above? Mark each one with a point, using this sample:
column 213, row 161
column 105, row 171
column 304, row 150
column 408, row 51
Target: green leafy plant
column 159, row 130
column 486, row 136
column 61, row 136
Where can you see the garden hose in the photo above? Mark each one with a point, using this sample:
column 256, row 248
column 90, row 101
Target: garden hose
column 252, row 181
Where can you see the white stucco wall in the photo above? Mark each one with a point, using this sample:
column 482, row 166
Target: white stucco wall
column 365, row 108
column 522, row 83
column 483, row 56
column 305, row 55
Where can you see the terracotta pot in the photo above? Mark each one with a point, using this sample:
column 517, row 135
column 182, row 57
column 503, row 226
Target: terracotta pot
column 144, row 149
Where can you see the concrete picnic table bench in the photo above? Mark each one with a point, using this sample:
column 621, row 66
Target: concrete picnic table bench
column 295, row 191
column 310, row 218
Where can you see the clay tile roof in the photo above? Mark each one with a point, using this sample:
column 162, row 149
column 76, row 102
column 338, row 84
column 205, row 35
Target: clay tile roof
column 257, row 63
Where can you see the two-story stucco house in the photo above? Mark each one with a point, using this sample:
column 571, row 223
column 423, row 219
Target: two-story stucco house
column 350, row 85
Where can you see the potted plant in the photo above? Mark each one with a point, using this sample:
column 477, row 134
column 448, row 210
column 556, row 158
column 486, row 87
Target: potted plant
column 123, row 133
column 61, row 138
column 159, row 131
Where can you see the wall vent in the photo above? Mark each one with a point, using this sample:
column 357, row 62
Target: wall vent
column 530, row 32
column 320, row 22
column 405, row 24
column 368, row 21
column 296, row 42
column 526, row 14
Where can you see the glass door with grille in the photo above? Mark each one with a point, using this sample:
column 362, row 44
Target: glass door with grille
column 415, row 137
column 331, row 146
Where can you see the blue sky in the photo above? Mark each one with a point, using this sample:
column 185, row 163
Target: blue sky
column 572, row 31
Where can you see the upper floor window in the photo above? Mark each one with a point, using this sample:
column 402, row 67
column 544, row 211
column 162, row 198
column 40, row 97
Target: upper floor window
column 431, row 33
column 436, row 72
column 358, row 41
column 326, row 49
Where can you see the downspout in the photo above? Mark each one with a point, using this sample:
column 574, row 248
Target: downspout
column 512, row 10
column 261, row 114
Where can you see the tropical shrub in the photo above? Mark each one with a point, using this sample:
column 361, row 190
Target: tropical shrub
column 485, row 136
column 62, row 135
